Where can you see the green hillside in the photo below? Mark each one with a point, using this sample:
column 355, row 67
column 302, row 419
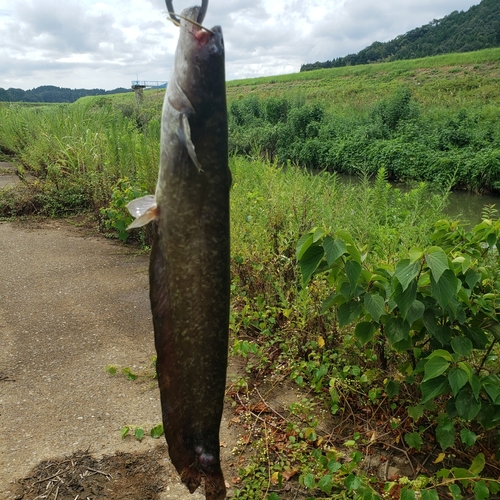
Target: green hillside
column 444, row 80
column 476, row 29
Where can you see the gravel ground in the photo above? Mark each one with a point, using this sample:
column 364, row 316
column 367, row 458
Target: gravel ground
column 72, row 302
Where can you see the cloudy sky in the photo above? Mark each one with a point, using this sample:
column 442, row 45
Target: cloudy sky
column 108, row 43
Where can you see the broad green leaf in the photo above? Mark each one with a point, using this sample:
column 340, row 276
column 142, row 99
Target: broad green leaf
column 464, row 262
column 491, row 239
column 494, row 328
column 430, row 322
column 468, row 437
column 124, row 431
column 415, row 254
column 488, row 416
column 462, row 474
column 345, row 289
column 111, row 369
column 352, row 482
column 318, row 234
column 396, row 330
column 309, row 481
column 467, row 368
column 429, row 495
column 440, row 353
column 432, row 388
column 406, row 272
column 126, row 371
column 348, row 312
column 424, row 280
column 354, row 253
column 477, row 464
column 477, row 337
column 445, row 434
column 403, row 345
column 156, row 431
column 443, row 334
column 325, row 484
column 494, row 486
column 457, row 379
column 455, row 492
column 472, row 278
column 392, row 388
column 481, row 490
column 333, row 249
column 405, row 299
column 437, row 261
column 443, row 473
column 444, row 289
column 451, row 409
column 434, row 367
column 407, row 494
column 414, row 440
column 303, row 244
column 365, row 331
column 415, row 412
column 333, row 466
column 374, row 305
column 139, row 433
column 475, row 384
column 464, row 295
column 367, row 493
column 310, row 261
column 462, row 346
column 492, row 388
column 467, row 405
column 415, row 312
column 353, row 271
column 346, row 236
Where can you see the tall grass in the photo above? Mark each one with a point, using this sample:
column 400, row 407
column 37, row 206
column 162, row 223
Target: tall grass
column 81, row 150
column 272, row 206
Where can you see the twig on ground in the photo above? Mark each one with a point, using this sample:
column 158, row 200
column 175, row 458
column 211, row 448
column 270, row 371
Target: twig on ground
column 107, row 474
column 402, row 450
column 51, row 477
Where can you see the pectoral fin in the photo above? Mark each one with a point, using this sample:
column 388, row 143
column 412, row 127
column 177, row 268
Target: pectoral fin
column 144, row 210
column 186, row 139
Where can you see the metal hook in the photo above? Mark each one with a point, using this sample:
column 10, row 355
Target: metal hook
column 176, row 20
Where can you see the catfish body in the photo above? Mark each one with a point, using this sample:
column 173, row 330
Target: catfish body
column 190, row 257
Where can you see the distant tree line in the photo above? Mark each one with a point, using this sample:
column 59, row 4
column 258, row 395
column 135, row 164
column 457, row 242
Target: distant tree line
column 50, row 93
column 476, row 29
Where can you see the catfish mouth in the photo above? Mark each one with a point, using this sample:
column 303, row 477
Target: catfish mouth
column 202, row 35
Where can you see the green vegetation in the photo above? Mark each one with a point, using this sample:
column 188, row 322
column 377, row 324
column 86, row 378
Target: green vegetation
column 418, row 121
column 360, row 296
column 78, row 152
column 476, row 29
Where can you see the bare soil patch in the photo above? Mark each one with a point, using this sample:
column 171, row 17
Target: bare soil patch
column 119, row 476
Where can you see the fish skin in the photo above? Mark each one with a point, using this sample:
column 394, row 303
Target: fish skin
column 189, row 265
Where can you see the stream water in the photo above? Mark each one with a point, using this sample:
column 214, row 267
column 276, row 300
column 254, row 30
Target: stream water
column 464, row 205
column 468, row 206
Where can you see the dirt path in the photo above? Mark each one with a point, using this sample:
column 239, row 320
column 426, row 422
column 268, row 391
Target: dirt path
column 72, row 302
column 8, row 175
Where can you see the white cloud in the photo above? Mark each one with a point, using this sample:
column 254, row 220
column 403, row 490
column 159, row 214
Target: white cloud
column 106, row 43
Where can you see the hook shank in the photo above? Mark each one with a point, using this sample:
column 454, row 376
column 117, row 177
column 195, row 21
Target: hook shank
column 201, row 15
